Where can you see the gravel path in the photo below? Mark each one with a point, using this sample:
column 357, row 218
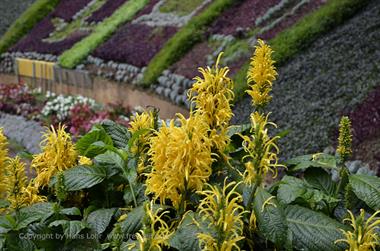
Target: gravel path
column 26, row 132
column 331, row 77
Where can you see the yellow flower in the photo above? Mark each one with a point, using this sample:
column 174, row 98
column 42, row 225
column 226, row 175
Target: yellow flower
column 151, row 238
column 144, row 120
column 3, row 157
column 222, row 211
column 262, row 73
column 363, row 236
column 345, row 139
column 213, row 94
column 181, row 160
column 30, row 195
column 83, row 160
column 261, row 150
column 58, row 154
column 139, row 122
column 15, row 182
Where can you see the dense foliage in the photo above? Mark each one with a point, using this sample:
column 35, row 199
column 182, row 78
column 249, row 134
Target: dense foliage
column 194, row 183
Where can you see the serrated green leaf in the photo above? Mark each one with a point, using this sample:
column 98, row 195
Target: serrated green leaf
column 292, row 189
column 366, row 188
column 185, row 236
column 118, row 133
column 85, row 145
column 313, row 231
column 100, row 219
column 321, row 180
column 271, row 220
column 81, row 177
column 33, row 213
column 134, row 220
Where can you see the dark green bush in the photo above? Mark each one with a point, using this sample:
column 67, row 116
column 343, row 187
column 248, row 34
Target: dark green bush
column 25, row 22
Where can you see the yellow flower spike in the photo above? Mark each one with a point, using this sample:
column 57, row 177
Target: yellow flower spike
column 58, row 154
column 141, row 121
column 15, row 181
column 83, row 160
column 212, row 95
column 156, row 233
column 364, row 236
column 261, row 73
column 261, row 151
column 144, row 120
column 30, row 195
column 345, row 139
column 181, row 160
column 3, row 157
column 222, row 210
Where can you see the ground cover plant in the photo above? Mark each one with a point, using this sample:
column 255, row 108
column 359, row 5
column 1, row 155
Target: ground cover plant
column 194, row 183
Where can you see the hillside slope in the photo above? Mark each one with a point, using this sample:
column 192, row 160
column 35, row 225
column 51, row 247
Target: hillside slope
column 10, row 10
column 325, row 81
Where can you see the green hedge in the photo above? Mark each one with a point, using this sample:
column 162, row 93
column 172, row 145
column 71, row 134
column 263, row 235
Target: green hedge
column 184, row 40
column 35, row 13
column 73, row 56
column 290, row 41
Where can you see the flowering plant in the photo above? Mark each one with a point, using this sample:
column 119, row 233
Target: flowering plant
column 197, row 183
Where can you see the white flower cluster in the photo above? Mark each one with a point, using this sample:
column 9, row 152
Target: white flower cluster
column 61, row 105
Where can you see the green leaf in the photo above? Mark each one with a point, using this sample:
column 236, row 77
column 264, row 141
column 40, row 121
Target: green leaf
column 367, row 188
column 313, row 231
column 81, row 177
column 292, row 189
column 100, row 219
column 134, row 220
column 302, row 163
column 118, row 133
column 3, row 203
column 271, row 220
column 185, row 237
column 71, row 211
column 111, row 160
column 321, row 180
column 235, row 129
column 71, row 229
column 85, row 145
column 33, row 213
